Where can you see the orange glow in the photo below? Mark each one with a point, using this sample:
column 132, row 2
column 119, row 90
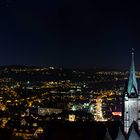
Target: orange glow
column 117, row 113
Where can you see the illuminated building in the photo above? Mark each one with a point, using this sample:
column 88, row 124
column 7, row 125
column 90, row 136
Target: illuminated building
column 117, row 113
column 71, row 118
column 131, row 100
column 49, row 111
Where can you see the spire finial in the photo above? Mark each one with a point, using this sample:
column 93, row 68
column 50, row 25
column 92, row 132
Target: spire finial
column 132, row 50
column 132, row 82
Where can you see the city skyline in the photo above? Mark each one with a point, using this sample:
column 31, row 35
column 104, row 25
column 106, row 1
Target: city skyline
column 69, row 70
column 69, row 34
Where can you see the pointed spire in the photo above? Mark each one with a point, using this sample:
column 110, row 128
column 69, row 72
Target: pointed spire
column 120, row 135
column 107, row 135
column 132, row 82
column 133, row 135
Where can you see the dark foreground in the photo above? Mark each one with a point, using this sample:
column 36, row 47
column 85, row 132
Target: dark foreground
column 55, row 130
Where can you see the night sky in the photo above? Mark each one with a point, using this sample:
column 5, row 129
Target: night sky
column 69, row 33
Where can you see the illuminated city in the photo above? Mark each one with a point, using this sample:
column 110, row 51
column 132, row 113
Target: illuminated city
column 69, row 70
column 32, row 96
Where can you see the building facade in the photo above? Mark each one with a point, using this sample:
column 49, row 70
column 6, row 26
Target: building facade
column 131, row 110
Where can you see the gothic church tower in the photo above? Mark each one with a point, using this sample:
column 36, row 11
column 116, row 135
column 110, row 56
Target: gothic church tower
column 131, row 110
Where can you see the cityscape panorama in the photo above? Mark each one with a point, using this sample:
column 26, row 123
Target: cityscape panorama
column 55, row 103
column 69, row 70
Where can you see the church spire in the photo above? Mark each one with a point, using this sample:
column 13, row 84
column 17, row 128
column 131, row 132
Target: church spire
column 120, row 135
column 132, row 82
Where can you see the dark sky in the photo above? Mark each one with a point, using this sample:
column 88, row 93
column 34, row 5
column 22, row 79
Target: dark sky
column 69, row 33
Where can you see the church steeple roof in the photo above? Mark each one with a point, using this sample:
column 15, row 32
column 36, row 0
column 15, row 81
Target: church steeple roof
column 133, row 135
column 107, row 135
column 132, row 82
column 120, row 135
